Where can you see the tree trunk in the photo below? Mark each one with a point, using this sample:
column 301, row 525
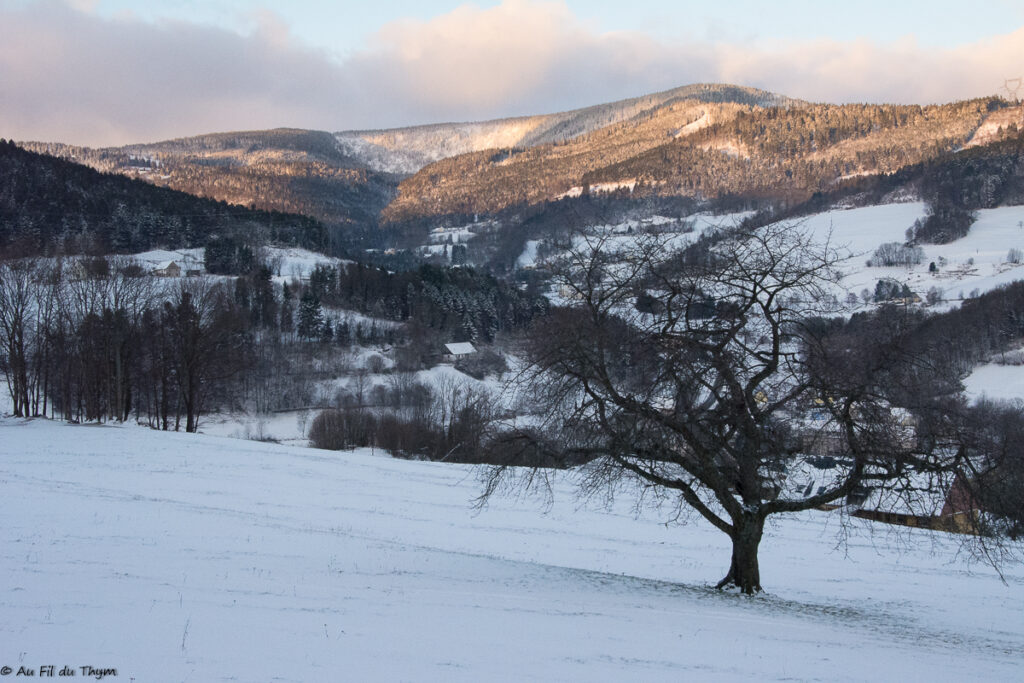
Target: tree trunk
column 744, row 572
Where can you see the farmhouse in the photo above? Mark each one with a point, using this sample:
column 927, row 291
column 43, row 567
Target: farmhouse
column 943, row 503
column 167, row 269
column 456, row 350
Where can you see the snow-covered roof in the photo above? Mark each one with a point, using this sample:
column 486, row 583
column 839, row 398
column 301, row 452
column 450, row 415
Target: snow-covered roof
column 920, row 494
column 460, row 348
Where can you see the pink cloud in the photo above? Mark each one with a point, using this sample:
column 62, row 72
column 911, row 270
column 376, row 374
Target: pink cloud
column 67, row 74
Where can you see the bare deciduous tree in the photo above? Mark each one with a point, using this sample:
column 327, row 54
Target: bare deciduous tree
column 705, row 377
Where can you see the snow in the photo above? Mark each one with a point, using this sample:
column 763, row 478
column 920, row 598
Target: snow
column 598, row 188
column 286, row 262
column 188, row 259
column 528, row 259
column 296, row 263
column 703, row 122
column 456, row 235
column 998, row 382
column 975, row 262
column 189, row 557
column 289, row 427
column 460, row 348
column 622, row 237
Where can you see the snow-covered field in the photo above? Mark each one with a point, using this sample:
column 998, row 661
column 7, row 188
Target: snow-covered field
column 175, row 557
column 287, row 263
column 997, row 382
column 975, row 262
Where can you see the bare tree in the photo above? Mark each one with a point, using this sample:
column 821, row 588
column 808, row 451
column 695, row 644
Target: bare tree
column 208, row 341
column 704, row 376
column 18, row 302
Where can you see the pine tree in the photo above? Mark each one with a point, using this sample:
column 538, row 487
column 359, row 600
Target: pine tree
column 286, row 309
column 310, row 316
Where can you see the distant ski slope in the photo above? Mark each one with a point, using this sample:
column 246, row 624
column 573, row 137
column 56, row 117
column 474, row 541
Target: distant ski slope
column 177, row 557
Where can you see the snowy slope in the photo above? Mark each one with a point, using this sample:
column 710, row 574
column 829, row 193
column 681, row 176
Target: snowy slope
column 972, row 265
column 179, row 557
column 977, row 261
column 997, row 382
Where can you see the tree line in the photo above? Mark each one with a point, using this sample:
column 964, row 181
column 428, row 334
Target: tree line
column 461, row 302
column 93, row 338
column 88, row 343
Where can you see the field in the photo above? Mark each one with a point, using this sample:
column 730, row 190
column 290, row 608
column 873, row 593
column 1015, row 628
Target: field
column 179, row 557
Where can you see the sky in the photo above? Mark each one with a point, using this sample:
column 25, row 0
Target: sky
column 112, row 72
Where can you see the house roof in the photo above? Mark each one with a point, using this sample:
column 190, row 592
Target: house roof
column 460, row 348
column 921, row 494
column 164, row 265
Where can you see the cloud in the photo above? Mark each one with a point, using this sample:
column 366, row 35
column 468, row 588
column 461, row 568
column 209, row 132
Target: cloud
column 68, row 74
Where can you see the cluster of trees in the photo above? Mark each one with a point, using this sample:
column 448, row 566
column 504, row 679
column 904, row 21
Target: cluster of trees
column 460, row 302
column 887, row 289
column 448, row 421
column 980, row 328
column 85, row 343
column 53, row 206
column 896, row 254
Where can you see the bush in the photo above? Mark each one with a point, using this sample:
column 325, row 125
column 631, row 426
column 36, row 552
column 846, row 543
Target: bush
column 448, row 424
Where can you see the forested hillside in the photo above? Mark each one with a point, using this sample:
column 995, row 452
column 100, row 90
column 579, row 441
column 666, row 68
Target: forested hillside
column 49, row 205
column 294, row 171
column 705, row 151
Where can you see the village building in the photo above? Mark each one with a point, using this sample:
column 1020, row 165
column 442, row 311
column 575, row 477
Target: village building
column 456, row 350
column 167, row 269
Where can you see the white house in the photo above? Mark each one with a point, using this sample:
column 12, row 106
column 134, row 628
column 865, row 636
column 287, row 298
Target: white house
column 457, row 350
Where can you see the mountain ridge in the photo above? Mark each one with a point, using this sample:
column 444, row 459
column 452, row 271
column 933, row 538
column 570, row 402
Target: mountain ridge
column 707, row 152
column 702, row 142
column 408, row 149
